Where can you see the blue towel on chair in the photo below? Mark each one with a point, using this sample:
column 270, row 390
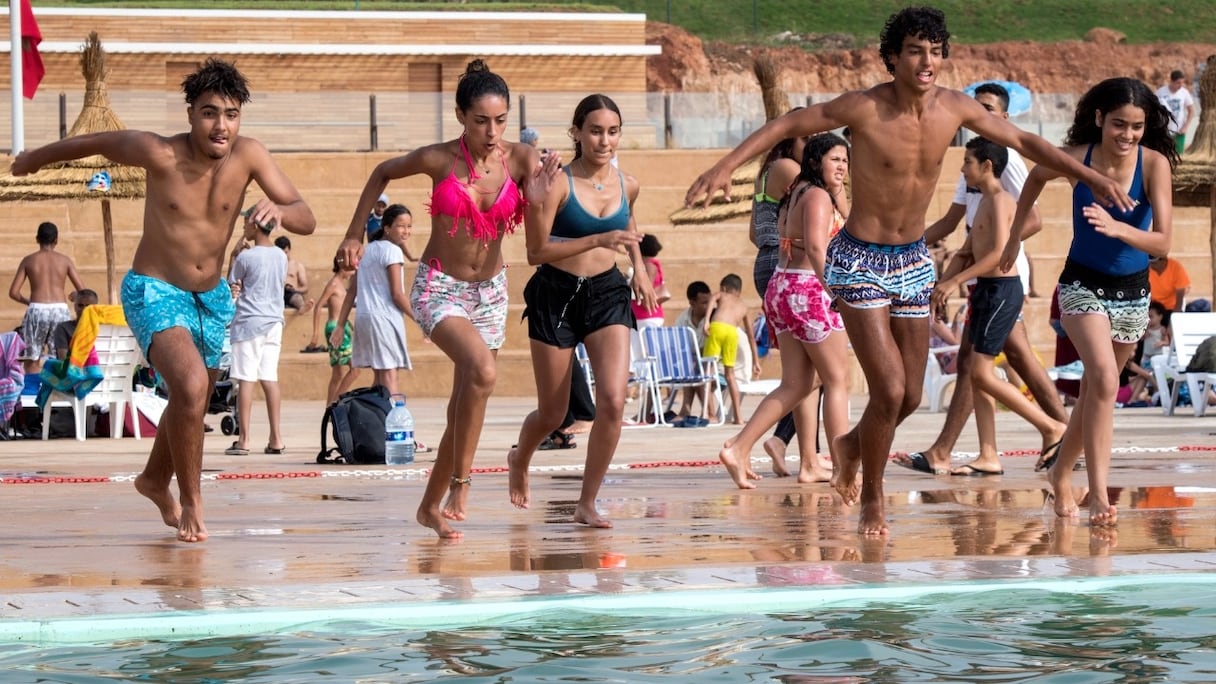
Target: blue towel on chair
column 63, row 376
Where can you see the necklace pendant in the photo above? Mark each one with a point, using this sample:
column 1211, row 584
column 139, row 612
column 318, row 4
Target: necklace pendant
column 598, row 186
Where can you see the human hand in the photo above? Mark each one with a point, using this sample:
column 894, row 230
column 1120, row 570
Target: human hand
column 349, row 254
column 617, row 240
column 1110, row 192
column 541, row 180
column 1101, row 220
column 707, row 185
column 23, row 165
column 643, row 290
column 1009, row 255
column 265, row 215
column 235, row 287
column 756, row 370
column 940, row 299
column 335, row 337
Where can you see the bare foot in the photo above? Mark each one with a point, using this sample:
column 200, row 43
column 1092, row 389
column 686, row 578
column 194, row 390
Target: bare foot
column 191, row 528
column 873, row 520
column 517, row 480
column 845, row 478
column 432, row 519
column 308, row 306
column 813, row 471
column 458, row 496
column 1102, row 539
column 739, row 466
column 1101, row 513
column 775, row 448
column 1065, row 504
column 587, row 515
column 170, row 512
column 578, row 427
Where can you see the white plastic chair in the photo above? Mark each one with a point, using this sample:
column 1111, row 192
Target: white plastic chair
column 1187, row 330
column 117, row 355
column 641, row 375
column 937, row 381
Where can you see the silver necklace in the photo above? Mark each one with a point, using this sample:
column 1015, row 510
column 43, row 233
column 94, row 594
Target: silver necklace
column 598, row 186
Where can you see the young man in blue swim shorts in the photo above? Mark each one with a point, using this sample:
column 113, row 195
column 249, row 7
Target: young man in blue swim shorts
column 174, row 296
column 877, row 265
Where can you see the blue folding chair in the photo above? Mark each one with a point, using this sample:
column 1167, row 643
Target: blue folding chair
column 641, row 375
column 678, row 365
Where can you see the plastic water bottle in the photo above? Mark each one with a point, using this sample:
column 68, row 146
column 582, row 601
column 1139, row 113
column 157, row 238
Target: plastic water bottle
column 399, row 433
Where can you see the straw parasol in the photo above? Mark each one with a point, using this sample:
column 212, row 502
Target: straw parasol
column 1195, row 177
column 743, row 180
column 71, row 180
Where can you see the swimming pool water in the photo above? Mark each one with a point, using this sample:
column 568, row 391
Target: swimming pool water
column 1126, row 630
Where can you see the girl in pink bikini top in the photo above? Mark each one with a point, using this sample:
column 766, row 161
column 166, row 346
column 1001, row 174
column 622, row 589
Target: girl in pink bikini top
column 451, row 198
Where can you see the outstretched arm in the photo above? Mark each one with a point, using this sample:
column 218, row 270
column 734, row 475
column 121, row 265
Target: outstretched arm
column 1044, row 153
column 133, row 148
column 421, row 160
column 806, row 121
column 1035, row 183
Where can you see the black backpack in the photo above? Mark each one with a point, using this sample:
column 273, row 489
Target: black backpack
column 357, row 418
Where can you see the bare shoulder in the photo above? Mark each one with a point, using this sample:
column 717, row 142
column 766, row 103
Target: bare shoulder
column 522, row 159
column 632, row 186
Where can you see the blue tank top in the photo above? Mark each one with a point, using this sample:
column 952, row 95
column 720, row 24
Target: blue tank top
column 573, row 221
column 1102, row 253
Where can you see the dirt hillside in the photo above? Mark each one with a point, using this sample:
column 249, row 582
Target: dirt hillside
column 1067, row 67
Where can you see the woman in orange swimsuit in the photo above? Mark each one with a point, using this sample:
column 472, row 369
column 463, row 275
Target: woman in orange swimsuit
column 479, row 195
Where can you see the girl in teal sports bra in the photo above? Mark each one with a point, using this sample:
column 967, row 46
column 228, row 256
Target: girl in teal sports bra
column 579, row 295
column 481, row 187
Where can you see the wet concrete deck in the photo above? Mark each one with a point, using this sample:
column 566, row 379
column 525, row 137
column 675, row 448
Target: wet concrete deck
column 286, row 533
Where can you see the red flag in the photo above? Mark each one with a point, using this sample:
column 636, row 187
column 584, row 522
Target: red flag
column 32, row 70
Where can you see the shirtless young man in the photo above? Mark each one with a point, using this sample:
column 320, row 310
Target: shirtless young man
column 174, row 297
column 46, row 307
column 877, row 266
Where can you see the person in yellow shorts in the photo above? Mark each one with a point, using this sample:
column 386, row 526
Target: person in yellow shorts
column 727, row 311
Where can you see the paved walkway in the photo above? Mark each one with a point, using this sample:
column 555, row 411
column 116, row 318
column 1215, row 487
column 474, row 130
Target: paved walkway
column 286, row 533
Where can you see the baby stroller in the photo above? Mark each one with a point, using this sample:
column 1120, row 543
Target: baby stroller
column 223, row 393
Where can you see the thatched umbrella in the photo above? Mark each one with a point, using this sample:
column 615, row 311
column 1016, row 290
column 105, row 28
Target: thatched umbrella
column 1195, row 177
column 743, row 180
column 71, row 180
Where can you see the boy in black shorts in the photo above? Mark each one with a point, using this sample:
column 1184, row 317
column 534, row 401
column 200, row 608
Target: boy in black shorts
column 996, row 304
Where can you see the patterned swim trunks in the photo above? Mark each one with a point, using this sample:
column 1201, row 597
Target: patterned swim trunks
column 867, row 275
column 437, row 296
column 340, row 355
column 1123, row 299
column 797, row 304
column 152, row 305
column 39, row 322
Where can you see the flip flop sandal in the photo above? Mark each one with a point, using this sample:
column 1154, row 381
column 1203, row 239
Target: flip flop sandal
column 918, row 462
column 235, row 450
column 557, row 440
column 1048, row 458
column 272, row 450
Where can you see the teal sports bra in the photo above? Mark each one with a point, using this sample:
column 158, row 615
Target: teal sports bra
column 573, row 221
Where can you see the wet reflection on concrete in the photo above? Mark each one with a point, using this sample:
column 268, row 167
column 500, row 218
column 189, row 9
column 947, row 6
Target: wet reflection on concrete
column 668, row 524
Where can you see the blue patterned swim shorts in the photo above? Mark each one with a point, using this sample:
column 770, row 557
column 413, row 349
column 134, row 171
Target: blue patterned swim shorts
column 867, row 275
column 152, row 305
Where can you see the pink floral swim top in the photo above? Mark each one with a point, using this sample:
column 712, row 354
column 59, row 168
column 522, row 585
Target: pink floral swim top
column 451, row 197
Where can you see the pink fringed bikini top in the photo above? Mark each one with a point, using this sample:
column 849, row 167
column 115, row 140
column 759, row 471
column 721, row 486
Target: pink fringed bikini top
column 451, row 197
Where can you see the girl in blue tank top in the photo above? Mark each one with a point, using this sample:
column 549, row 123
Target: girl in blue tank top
column 579, row 295
column 1120, row 130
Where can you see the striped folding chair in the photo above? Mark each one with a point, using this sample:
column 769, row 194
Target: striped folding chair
column 641, row 375
column 678, row 365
